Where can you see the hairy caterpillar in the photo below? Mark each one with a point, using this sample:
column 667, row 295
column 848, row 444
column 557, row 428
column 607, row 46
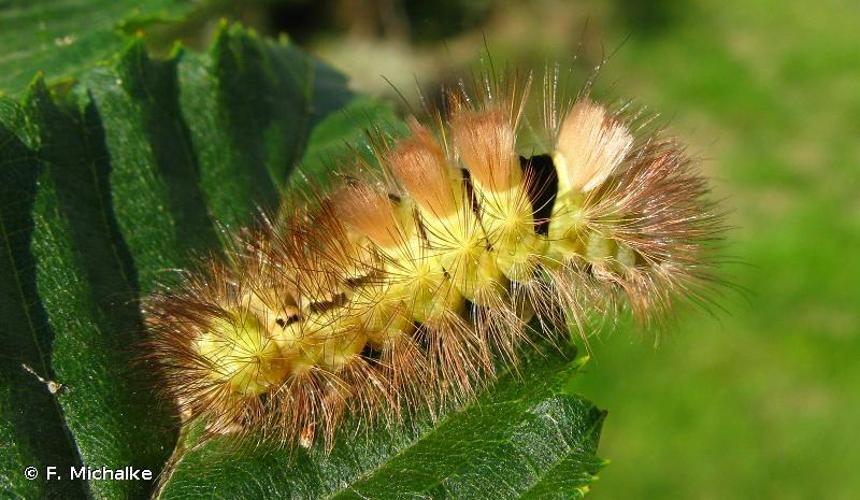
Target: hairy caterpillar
column 416, row 275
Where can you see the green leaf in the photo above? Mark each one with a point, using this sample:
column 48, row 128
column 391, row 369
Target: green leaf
column 110, row 182
column 88, row 286
column 32, row 427
column 69, row 36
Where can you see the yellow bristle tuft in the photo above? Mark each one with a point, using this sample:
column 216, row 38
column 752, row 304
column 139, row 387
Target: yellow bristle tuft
column 239, row 352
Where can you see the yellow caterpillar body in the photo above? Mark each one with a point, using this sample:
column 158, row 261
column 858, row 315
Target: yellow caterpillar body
column 406, row 285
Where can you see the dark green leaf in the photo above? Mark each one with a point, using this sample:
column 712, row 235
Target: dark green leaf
column 68, row 36
column 87, row 283
column 32, row 428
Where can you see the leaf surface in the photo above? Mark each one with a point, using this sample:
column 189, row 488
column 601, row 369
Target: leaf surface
column 67, row 37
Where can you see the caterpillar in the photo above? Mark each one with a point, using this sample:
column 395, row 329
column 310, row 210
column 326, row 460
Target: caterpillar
column 404, row 285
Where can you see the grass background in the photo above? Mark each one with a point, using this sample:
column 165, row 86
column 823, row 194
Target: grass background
column 761, row 400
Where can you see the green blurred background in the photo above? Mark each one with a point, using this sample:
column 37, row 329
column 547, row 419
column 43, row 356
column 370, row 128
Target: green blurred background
column 761, row 400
